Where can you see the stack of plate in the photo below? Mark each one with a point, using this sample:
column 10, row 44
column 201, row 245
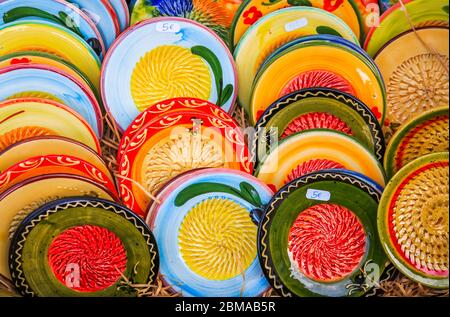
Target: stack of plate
column 51, row 121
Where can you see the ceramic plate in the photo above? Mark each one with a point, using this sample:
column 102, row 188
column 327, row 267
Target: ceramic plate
column 324, row 63
column 51, row 38
column 206, row 236
column 166, row 107
column 39, row 58
column 386, row 4
column 315, row 150
column 318, row 237
column 51, row 252
column 211, row 13
column 103, row 15
column 22, row 119
column 369, row 10
column 55, row 11
column 176, row 143
column 253, row 10
column 422, row 135
column 416, row 79
column 53, row 164
column 50, row 145
column 122, row 12
column 40, row 81
column 166, row 58
column 22, row 199
column 275, row 30
column 413, row 220
column 319, row 108
column 394, row 21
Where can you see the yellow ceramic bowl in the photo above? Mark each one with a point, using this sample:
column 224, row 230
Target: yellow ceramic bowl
column 22, row 119
column 45, row 37
column 296, row 153
column 24, row 198
column 276, row 76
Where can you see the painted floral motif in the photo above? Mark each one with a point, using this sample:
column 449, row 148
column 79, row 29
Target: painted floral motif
column 252, row 15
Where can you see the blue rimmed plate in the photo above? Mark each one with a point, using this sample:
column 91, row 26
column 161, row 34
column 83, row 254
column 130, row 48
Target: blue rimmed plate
column 34, row 81
column 57, row 11
column 206, row 233
column 166, row 58
column 122, row 12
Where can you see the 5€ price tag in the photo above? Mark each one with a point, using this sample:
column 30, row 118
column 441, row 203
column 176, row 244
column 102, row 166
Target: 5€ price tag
column 315, row 194
column 168, row 27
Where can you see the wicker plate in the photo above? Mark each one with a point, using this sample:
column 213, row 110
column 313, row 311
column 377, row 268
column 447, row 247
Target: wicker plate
column 51, row 252
column 413, row 220
column 425, row 134
column 319, row 108
column 206, row 236
column 22, row 199
column 318, row 237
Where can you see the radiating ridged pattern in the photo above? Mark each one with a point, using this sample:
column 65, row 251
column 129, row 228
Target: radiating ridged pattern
column 96, row 253
column 211, row 14
column 417, row 85
column 311, row 167
column 316, row 120
column 22, row 133
column 429, row 137
column 327, row 242
column 169, row 71
column 420, row 220
column 218, row 239
column 180, row 153
column 319, row 78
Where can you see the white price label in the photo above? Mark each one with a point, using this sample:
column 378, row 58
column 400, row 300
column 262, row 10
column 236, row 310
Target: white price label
column 315, row 194
column 297, row 24
column 168, row 27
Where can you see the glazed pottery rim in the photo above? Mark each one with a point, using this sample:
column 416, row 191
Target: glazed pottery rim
column 264, row 252
column 84, row 88
column 127, row 13
column 61, row 31
column 404, row 130
column 68, row 203
column 151, row 21
column 243, row 6
column 60, row 106
column 112, row 13
column 383, row 231
column 86, row 18
column 380, row 167
column 299, row 95
column 17, row 169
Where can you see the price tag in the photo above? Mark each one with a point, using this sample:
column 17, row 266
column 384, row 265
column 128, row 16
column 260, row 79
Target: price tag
column 168, row 27
column 297, row 24
column 315, row 194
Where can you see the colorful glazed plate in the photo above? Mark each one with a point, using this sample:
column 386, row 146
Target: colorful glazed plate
column 22, row 199
column 318, row 108
column 56, row 11
column 51, row 252
column 323, row 64
column 315, row 150
column 394, row 21
column 206, row 236
column 50, row 145
column 275, row 30
column 54, row 39
column 122, row 12
column 176, row 143
column 166, row 58
column 252, row 10
column 53, row 164
column 40, row 81
column 422, row 135
column 413, row 220
column 416, row 79
column 318, row 237
column 22, row 119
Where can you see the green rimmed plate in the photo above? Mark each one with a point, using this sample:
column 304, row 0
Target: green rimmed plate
column 329, row 206
column 413, row 220
column 315, row 108
column 52, row 251
column 422, row 135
